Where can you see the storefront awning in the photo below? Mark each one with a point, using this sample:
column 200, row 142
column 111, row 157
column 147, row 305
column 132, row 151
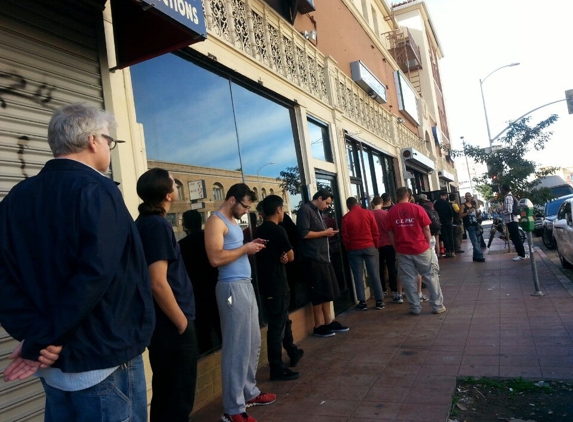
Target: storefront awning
column 144, row 29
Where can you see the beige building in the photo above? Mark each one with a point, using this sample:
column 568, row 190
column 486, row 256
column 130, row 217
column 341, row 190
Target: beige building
column 204, row 189
column 288, row 96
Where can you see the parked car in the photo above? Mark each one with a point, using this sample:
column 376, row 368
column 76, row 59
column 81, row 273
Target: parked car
column 538, row 225
column 551, row 209
column 563, row 233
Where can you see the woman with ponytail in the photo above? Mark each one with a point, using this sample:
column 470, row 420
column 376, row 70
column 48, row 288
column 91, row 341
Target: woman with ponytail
column 173, row 348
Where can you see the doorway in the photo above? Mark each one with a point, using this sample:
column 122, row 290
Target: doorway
column 332, row 218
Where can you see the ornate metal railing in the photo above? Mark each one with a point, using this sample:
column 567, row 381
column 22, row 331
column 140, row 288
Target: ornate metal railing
column 256, row 30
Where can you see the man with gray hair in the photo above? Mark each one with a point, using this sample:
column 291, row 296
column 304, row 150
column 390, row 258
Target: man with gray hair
column 73, row 278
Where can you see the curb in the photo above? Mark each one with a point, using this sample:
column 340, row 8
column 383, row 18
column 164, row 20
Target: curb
column 565, row 282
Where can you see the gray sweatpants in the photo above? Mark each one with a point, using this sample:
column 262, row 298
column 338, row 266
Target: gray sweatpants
column 241, row 343
column 425, row 264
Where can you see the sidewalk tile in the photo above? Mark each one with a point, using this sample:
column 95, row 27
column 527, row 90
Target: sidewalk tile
column 394, row 367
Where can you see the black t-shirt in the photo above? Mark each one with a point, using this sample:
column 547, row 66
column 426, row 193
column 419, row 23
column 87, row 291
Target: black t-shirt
column 444, row 210
column 159, row 244
column 202, row 275
column 270, row 271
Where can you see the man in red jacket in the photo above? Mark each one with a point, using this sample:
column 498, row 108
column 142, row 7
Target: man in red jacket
column 360, row 238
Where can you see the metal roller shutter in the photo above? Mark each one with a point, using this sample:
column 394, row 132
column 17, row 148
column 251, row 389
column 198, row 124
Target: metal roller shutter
column 48, row 57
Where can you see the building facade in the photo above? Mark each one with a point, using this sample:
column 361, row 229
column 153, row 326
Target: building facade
column 286, row 96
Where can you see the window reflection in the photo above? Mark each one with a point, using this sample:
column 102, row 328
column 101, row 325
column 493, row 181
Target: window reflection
column 180, row 194
column 218, row 193
column 211, row 133
column 351, row 160
column 319, row 140
column 369, row 187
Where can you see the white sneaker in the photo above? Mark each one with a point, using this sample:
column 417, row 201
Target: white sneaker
column 424, row 298
column 520, row 258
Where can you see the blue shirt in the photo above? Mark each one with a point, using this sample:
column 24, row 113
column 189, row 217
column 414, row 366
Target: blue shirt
column 72, row 269
column 159, row 244
column 240, row 269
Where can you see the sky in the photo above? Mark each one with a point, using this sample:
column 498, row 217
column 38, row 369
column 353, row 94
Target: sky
column 476, row 38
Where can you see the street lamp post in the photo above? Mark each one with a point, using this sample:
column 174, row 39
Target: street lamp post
column 259, row 179
column 467, row 164
column 481, row 81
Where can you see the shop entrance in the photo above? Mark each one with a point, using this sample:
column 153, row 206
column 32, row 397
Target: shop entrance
column 333, row 218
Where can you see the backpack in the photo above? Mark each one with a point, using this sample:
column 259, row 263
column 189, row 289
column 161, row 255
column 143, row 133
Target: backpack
column 515, row 211
column 435, row 225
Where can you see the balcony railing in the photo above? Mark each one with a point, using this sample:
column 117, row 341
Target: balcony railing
column 404, row 49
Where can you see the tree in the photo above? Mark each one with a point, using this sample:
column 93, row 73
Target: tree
column 485, row 190
column 507, row 164
column 290, row 180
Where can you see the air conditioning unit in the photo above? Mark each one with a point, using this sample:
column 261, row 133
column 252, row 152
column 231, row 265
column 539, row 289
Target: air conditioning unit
column 418, row 159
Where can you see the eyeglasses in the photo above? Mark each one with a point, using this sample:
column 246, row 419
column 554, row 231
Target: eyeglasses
column 247, row 207
column 111, row 143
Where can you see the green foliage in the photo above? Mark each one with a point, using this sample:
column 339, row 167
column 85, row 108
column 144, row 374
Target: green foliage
column 508, row 163
column 290, row 180
column 485, row 190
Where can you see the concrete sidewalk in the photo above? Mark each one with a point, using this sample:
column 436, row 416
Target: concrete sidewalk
column 393, row 366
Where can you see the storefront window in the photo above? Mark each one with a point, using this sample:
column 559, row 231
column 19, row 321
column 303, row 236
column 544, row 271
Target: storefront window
column 375, row 178
column 351, row 160
column 369, row 186
column 419, row 182
column 208, row 130
column 319, row 140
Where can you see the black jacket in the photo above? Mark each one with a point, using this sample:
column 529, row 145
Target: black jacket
column 72, row 269
column 444, row 210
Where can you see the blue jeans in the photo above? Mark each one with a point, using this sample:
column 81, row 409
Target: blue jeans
column 121, row 397
column 369, row 256
column 477, row 254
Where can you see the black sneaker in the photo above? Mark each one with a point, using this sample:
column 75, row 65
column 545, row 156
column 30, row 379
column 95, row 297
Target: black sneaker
column 380, row 304
column 323, row 331
column 295, row 357
column 361, row 306
column 337, row 327
column 284, row 375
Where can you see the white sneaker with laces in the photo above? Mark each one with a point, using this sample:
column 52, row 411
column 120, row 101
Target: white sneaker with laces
column 520, row 258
